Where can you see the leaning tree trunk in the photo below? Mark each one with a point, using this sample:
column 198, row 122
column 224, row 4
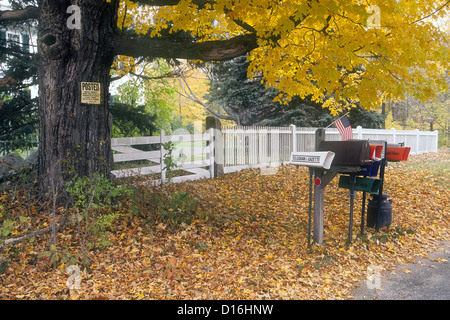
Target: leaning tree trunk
column 75, row 138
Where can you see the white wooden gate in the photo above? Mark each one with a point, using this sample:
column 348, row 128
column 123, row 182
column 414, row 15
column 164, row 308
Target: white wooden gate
column 193, row 152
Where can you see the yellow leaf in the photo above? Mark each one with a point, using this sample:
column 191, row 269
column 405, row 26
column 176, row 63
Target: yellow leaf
column 440, row 260
column 406, row 271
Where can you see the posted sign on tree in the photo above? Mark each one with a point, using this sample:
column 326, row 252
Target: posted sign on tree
column 90, row 92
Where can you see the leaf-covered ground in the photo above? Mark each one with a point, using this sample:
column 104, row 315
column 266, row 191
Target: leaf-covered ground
column 248, row 240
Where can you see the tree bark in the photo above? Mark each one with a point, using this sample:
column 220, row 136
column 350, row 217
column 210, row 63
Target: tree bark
column 75, row 138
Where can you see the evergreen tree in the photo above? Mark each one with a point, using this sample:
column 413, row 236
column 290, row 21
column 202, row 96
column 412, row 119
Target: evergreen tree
column 245, row 101
column 19, row 120
column 249, row 102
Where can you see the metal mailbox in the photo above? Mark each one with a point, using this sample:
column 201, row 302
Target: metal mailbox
column 361, row 184
column 349, row 152
column 397, row 153
column 371, row 169
column 375, row 151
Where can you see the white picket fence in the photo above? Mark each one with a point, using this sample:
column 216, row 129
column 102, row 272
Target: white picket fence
column 252, row 147
column 247, row 147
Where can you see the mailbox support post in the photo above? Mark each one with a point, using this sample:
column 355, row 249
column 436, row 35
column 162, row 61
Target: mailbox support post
column 363, row 212
column 323, row 178
column 318, row 209
column 352, row 197
column 311, row 174
column 318, row 194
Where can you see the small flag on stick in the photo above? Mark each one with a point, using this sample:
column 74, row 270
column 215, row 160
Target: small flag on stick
column 344, row 127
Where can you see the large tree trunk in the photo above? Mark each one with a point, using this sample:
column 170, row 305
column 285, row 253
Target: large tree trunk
column 75, row 138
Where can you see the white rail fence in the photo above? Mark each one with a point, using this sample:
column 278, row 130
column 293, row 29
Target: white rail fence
column 194, row 154
column 247, row 147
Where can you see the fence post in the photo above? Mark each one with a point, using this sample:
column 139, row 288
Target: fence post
column 359, row 132
column 394, row 138
column 417, row 140
column 163, row 153
column 293, row 137
column 436, row 144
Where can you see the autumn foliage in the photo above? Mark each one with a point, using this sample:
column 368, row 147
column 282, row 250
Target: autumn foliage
column 240, row 236
column 337, row 52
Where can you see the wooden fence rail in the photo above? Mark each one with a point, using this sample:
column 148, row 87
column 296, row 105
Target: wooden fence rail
column 194, row 154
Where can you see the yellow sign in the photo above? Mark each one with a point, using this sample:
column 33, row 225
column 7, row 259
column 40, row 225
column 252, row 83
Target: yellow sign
column 90, row 92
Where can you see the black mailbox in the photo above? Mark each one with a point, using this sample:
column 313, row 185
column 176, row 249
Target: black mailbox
column 348, row 153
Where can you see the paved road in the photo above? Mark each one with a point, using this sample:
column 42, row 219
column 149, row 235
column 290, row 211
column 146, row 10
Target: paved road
column 429, row 279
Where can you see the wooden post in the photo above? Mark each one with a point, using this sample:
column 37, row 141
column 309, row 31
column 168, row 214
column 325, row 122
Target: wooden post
column 320, row 136
column 322, row 179
column 318, row 209
column 212, row 158
column 311, row 174
column 318, row 194
column 293, row 137
column 352, row 197
column 214, row 123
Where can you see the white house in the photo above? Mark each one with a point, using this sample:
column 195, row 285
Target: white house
column 24, row 36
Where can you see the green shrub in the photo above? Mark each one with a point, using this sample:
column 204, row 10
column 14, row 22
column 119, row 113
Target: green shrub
column 158, row 206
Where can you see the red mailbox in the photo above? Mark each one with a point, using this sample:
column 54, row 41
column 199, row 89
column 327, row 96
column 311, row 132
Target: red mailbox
column 397, row 152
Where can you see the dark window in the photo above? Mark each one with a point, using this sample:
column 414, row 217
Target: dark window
column 25, row 42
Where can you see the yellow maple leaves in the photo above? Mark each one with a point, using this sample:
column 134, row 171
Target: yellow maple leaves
column 326, row 49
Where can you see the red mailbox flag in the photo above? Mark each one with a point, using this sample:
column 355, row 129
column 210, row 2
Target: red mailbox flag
column 344, row 127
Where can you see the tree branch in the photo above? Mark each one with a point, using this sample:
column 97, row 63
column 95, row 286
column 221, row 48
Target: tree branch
column 207, row 51
column 30, row 12
column 429, row 15
column 191, row 95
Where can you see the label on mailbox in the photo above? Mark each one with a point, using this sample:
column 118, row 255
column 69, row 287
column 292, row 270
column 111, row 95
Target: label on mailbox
column 308, row 159
column 90, row 92
column 313, row 159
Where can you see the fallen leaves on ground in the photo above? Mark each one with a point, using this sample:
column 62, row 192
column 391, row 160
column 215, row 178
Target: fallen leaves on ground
column 248, row 240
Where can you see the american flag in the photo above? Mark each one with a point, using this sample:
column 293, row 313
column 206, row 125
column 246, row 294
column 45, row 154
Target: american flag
column 344, row 127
